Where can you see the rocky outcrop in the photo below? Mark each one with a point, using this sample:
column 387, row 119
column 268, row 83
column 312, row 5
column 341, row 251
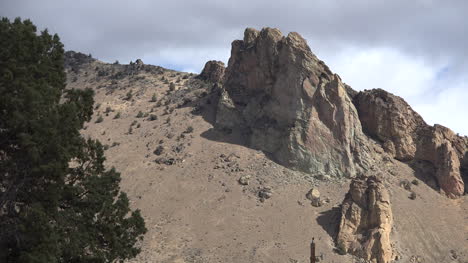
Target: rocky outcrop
column 213, row 71
column 390, row 120
column 290, row 105
column 366, row 221
column 404, row 134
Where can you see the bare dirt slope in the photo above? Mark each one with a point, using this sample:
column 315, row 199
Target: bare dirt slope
column 183, row 175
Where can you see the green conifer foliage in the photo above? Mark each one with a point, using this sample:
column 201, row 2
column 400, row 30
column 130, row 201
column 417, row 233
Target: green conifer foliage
column 58, row 203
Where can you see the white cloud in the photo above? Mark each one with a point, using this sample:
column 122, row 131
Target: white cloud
column 441, row 100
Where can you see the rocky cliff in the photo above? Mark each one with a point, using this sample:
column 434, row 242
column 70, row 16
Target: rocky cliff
column 404, row 134
column 289, row 104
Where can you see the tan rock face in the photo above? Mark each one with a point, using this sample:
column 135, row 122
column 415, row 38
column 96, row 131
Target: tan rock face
column 366, row 221
column 403, row 133
column 290, row 105
column 213, row 71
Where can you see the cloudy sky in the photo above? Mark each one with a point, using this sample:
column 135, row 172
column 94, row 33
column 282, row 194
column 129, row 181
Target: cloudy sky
column 415, row 49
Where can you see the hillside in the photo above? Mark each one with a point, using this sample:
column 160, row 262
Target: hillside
column 220, row 164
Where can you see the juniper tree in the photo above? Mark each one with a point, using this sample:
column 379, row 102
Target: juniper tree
column 58, row 203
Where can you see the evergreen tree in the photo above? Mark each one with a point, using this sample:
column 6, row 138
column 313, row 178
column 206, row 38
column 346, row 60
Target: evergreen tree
column 58, row 203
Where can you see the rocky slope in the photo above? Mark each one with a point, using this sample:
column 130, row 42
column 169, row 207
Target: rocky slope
column 221, row 163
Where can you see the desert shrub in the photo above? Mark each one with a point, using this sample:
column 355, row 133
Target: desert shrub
column 139, row 114
column 172, row 86
column 153, row 117
column 129, row 95
column 189, row 129
column 99, row 119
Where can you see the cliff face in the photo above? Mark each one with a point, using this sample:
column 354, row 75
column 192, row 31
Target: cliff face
column 405, row 135
column 290, row 105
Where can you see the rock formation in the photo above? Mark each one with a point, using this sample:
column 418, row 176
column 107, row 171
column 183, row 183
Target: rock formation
column 213, row 71
column 366, row 221
column 404, row 134
column 287, row 103
column 290, row 105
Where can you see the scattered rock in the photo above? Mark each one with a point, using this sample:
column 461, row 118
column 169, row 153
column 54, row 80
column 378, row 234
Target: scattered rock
column 405, row 184
column 265, row 193
column 314, row 196
column 166, row 161
column 159, row 150
column 244, row 180
column 366, row 221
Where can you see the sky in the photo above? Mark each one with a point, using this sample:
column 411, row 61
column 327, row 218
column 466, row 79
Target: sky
column 415, row 49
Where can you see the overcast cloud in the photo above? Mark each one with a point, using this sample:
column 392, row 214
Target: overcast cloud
column 415, row 49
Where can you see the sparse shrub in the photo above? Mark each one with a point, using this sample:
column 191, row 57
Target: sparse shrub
column 154, row 98
column 172, row 86
column 138, row 125
column 106, row 147
column 146, row 114
column 133, row 123
column 412, row 196
column 116, row 62
column 99, row 119
column 139, row 115
column 115, row 144
column 415, row 182
column 129, row 95
column 117, row 116
column 189, row 129
column 185, row 77
column 97, row 106
column 108, row 109
column 102, row 73
column 153, row 117
column 130, row 130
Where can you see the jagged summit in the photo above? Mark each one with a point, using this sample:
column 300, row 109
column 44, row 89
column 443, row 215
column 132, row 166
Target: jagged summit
column 290, row 105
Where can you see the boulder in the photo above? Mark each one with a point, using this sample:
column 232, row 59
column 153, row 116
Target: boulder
column 366, row 221
column 314, row 196
column 244, row 180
